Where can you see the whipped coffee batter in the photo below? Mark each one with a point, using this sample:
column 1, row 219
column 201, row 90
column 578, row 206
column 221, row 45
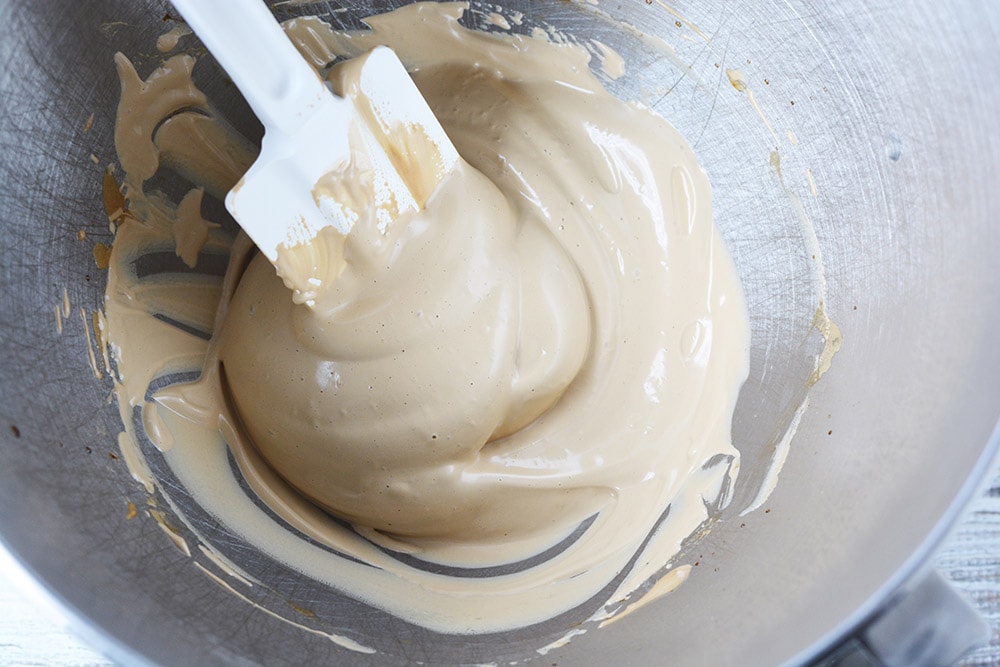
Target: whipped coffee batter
column 535, row 373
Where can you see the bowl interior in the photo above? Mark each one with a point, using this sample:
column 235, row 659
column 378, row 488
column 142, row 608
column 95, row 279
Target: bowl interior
column 843, row 186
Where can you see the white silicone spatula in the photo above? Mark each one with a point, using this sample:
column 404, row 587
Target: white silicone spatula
column 306, row 129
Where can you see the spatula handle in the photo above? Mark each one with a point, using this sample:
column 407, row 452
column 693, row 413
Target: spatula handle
column 251, row 46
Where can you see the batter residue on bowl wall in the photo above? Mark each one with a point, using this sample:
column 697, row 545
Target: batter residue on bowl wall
column 598, row 316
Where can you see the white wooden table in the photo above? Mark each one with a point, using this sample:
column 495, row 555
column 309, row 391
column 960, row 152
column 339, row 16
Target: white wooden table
column 31, row 636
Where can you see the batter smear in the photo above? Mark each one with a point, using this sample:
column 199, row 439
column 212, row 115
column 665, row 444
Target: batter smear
column 532, row 379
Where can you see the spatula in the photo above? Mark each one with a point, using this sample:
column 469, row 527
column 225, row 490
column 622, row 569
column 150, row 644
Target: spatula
column 309, row 132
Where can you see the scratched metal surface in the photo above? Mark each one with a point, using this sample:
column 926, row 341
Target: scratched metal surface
column 32, row 634
column 887, row 109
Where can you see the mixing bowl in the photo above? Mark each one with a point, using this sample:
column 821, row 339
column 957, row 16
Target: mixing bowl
column 854, row 161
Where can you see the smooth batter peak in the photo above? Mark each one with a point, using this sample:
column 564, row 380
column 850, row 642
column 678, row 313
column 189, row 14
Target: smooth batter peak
column 535, row 374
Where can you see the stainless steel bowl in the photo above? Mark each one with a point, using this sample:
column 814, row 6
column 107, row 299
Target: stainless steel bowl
column 890, row 108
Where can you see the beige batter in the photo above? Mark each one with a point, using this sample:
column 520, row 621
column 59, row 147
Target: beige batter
column 553, row 347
